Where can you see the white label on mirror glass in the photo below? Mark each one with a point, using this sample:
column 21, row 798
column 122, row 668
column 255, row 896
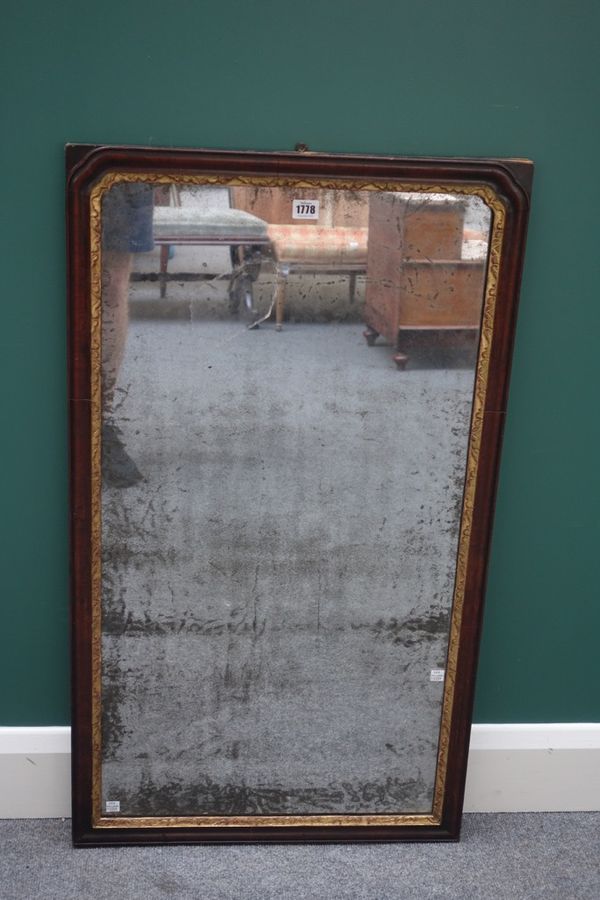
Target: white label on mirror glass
column 305, row 209
column 437, row 674
column 113, row 806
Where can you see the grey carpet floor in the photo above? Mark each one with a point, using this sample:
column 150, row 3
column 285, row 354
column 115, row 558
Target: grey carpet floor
column 551, row 856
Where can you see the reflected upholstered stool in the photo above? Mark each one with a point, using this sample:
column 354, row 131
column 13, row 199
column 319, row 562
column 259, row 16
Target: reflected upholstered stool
column 308, row 249
column 245, row 235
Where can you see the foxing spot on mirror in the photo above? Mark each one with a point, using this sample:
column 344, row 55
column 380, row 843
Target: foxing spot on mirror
column 285, row 380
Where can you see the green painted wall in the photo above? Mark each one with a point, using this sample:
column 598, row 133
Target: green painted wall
column 430, row 77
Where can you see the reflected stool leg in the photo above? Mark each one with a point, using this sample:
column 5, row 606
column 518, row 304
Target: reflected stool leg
column 352, row 287
column 164, row 262
column 282, row 274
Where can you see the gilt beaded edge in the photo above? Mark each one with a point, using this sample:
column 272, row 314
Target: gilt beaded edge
column 497, row 206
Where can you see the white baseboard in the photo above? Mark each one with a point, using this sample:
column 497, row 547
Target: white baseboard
column 35, row 773
column 512, row 768
column 534, row 768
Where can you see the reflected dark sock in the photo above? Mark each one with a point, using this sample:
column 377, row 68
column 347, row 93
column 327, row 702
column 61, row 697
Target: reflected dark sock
column 118, row 468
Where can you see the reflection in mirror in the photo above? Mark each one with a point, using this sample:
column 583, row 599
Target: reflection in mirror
column 281, row 511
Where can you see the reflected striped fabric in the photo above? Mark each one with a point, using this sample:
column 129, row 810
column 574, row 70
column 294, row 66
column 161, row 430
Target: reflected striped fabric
column 310, row 244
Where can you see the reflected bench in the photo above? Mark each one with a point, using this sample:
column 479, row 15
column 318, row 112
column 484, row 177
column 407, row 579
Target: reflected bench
column 306, row 249
column 245, row 234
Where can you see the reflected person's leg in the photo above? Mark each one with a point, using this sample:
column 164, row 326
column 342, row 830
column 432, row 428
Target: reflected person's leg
column 118, row 468
column 116, row 270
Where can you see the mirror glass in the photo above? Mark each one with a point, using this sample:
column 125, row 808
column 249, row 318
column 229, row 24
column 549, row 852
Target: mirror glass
column 287, row 384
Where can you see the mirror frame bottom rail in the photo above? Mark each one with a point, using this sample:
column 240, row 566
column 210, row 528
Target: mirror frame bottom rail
column 505, row 185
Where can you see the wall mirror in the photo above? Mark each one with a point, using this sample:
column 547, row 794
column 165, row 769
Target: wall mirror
column 288, row 379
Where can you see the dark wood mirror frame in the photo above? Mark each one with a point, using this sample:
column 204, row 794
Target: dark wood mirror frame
column 505, row 185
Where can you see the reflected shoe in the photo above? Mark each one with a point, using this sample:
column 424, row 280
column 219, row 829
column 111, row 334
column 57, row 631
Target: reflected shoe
column 118, row 468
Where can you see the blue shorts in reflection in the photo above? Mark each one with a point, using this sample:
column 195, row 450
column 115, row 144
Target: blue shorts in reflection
column 127, row 218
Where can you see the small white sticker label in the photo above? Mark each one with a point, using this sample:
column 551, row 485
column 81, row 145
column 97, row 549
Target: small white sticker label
column 305, row 209
column 113, row 806
column 437, row 674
